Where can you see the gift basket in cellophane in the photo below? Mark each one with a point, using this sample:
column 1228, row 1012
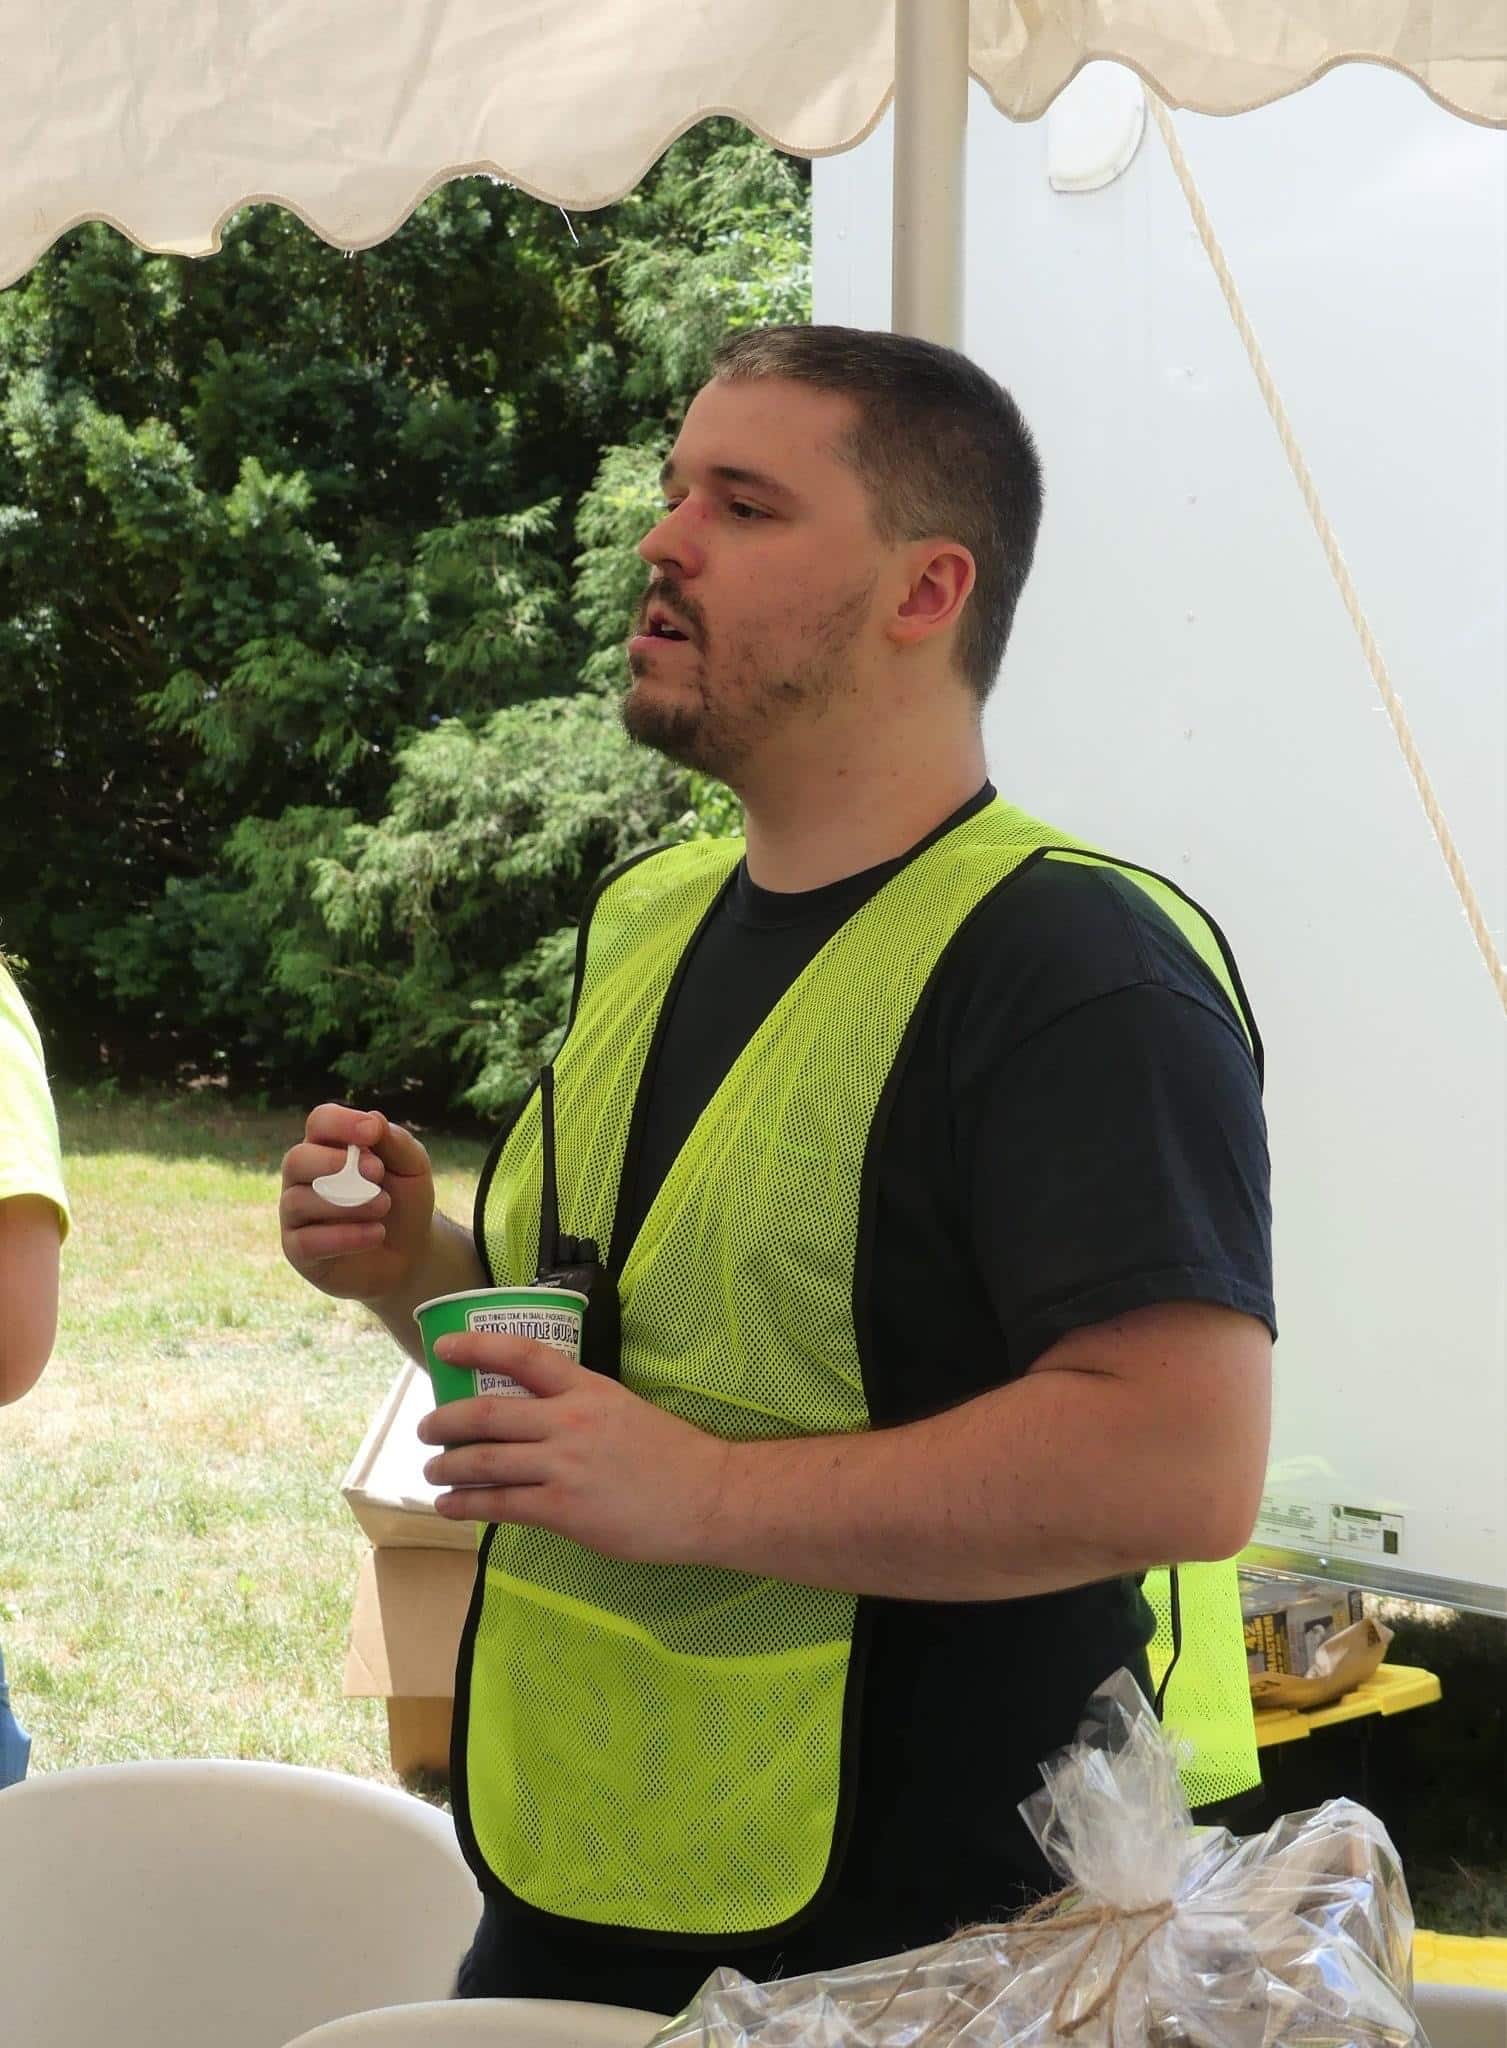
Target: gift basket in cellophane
column 1164, row 1935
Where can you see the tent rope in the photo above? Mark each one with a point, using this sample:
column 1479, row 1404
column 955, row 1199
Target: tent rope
column 1336, row 561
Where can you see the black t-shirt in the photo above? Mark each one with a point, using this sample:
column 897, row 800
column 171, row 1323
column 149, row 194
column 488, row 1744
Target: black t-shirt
column 1076, row 1130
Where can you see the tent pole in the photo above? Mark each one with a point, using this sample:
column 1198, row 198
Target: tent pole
column 931, row 131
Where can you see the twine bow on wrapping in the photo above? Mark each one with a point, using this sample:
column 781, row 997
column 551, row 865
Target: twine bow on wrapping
column 1046, row 1919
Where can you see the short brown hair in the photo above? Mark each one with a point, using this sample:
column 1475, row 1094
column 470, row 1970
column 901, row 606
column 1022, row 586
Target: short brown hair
column 941, row 450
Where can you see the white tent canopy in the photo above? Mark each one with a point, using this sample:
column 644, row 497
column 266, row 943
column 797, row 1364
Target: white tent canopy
column 164, row 116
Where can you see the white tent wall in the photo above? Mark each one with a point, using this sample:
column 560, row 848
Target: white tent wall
column 1184, row 688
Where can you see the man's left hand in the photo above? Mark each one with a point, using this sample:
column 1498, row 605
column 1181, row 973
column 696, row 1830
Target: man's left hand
column 584, row 1457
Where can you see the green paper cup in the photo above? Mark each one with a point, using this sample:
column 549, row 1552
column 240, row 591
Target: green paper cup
column 549, row 1315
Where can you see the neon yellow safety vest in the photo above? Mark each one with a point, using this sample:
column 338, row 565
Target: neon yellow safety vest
column 662, row 1748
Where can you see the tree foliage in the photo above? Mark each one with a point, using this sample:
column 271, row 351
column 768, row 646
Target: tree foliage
column 314, row 575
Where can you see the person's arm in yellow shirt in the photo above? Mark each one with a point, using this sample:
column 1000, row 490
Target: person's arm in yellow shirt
column 30, row 1239
column 34, row 1215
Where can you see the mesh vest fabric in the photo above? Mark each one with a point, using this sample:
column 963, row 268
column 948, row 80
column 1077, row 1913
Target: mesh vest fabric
column 1208, row 1704
column 662, row 1748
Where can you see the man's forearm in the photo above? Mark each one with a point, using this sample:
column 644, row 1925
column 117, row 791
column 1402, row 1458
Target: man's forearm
column 450, row 1267
column 1061, row 1479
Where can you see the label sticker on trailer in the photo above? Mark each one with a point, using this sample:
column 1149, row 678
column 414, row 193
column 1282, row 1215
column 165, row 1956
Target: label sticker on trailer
column 1367, row 1530
column 1300, row 1525
column 1291, row 1524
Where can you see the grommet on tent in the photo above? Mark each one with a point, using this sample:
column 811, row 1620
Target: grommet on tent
column 1094, row 129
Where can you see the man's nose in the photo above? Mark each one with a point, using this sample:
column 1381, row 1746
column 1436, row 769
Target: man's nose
column 673, row 544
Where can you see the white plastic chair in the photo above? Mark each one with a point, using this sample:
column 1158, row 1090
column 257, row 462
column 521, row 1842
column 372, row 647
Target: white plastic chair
column 500, row 2022
column 1461, row 2015
column 1452, row 2017
column 219, row 1905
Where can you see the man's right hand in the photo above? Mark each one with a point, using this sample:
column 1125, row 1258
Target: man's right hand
column 369, row 1254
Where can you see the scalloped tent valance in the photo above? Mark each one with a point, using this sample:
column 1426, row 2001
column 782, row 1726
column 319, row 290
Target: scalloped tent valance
column 163, row 116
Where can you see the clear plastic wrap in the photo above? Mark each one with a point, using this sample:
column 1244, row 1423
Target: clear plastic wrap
column 1167, row 1936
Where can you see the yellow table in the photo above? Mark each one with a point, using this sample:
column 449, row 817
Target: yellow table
column 1298, row 1774
column 1477, row 1960
column 1392, row 1689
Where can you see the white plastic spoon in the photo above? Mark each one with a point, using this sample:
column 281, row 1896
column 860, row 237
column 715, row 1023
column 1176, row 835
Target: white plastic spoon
column 348, row 1188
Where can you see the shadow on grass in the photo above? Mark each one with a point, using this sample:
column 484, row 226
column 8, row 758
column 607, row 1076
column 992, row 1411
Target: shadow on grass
column 431, row 1786
column 206, row 1123
column 1457, row 1899
column 1453, row 1767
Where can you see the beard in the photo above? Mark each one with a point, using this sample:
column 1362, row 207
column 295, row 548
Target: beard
column 684, row 726
column 717, row 728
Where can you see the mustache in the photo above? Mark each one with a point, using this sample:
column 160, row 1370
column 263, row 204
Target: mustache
column 684, row 610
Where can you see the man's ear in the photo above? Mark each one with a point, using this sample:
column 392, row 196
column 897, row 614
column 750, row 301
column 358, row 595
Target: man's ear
column 942, row 574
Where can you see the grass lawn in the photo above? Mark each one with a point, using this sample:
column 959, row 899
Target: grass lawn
column 177, row 1564
column 176, row 1561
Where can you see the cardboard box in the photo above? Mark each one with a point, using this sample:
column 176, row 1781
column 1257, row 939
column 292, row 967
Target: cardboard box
column 1288, row 1620
column 414, row 1586
column 405, row 1630
column 385, row 1483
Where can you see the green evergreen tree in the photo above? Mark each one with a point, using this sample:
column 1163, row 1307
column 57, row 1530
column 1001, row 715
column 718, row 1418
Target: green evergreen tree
column 314, row 576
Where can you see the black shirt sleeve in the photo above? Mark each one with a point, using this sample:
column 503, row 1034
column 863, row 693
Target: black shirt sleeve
column 1107, row 1126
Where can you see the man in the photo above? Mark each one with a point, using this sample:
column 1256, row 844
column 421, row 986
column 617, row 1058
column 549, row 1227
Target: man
column 927, row 1152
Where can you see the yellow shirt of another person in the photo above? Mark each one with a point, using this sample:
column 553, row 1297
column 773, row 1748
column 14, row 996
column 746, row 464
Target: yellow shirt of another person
column 31, row 1160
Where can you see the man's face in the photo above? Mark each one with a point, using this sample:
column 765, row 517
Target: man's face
column 761, row 600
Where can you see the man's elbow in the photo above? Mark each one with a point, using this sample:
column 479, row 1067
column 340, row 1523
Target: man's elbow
column 1220, row 1469
column 1216, row 1521
column 1223, row 1535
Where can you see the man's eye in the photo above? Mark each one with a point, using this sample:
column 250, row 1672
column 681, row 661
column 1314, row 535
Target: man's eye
column 742, row 511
